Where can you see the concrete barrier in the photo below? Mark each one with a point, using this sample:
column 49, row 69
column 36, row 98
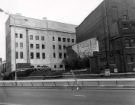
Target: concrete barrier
column 70, row 83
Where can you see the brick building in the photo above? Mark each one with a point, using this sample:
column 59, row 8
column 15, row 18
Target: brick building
column 113, row 24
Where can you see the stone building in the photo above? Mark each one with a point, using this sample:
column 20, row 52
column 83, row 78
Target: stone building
column 37, row 42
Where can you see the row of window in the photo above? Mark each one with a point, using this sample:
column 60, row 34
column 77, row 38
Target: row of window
column 38, row 56
column 130, row 42
column 60, row 55
column 131, row 58
column 37, row 46
column 37, row 37
column 17, row 35
column 43, row 38
column 60, row 66
column 42, row 46
column 64, row 39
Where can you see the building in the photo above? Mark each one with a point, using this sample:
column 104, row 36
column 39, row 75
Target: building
column 37, row 42
column 112, row 23
column 86, row 48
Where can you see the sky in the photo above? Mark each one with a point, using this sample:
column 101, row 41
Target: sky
column 66, row 11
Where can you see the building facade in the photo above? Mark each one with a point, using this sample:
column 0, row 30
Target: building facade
column 112, row 23
column 37, row 42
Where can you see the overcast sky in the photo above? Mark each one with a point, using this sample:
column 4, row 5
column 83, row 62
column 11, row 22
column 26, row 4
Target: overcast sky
column 67, row 11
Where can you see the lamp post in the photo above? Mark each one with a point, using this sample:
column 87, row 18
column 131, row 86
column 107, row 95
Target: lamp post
column 1, row 10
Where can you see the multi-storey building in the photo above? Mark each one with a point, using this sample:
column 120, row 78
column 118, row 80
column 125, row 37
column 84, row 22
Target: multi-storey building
column 112, row 23
column 37, row 42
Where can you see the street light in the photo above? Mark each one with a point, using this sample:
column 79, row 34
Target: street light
column 1, row 10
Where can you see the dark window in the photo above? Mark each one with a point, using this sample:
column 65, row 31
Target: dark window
column 59, row 47
column 64, row 47
column 43, row 46
column 16, row 55
column 68, row 39
column 37, row 37
column 60, row 55
column 31, row 45
column 133, row 58
column 37, row 46
column 61, row 66
column 32, row 55
column 65, row 55
column 42, row 38
column 129, row 58
column 55, row 66
column 125, row 26
column 53, row 46
column 21, row 55
column 53, row 38
column 59, row 39
column 64, row 39
column 43, row 55
column 132, row 42
column 16, row 44
column 16, row 35
column 31, row 37
column 54, row 55
column 21, row 35
column 127, row 43
column 73, row 40
column 21, row 45
column 38, row 55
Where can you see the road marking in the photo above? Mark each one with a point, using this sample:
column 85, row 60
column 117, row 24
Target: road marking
column 79, row 95
column 9, row 104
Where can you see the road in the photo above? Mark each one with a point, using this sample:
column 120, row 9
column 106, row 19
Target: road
column 29, row 96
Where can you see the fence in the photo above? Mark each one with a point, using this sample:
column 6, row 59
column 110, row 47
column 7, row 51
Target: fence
column 70, row 83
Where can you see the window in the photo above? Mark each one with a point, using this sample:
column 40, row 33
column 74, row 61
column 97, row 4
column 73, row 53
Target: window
column 42, row 38
column 60, row 55
column 43, row 46
column 55, row 66
column 133, row 58
column 21, row 45
column 59, row 39
column 21, row 35
column 37, row 46
column 16, row 44
column 43, row 55
column 59, row 47
column 31, row 37
column 132, row 42
column 125, row 26
column 54, row 55
column 38, row 55
column 53, row 38
column 16, row 35
column 31, row 46
column 32, row 55
column 53, row 46
column 68, row 40
column 61, row 66
column 65, row 55
column 21, row 55
column 64, row 39
column 64, row 47
column 16, row 55
column 73, row 40
column 37, row 37
column 127, row 43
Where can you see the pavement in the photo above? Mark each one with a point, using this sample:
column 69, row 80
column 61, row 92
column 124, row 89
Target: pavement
column 72, row 96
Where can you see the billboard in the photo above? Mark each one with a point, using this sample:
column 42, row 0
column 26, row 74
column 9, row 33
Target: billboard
column 86, row 48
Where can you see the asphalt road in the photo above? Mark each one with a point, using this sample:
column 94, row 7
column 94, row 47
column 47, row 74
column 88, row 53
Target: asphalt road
column 27, row 96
